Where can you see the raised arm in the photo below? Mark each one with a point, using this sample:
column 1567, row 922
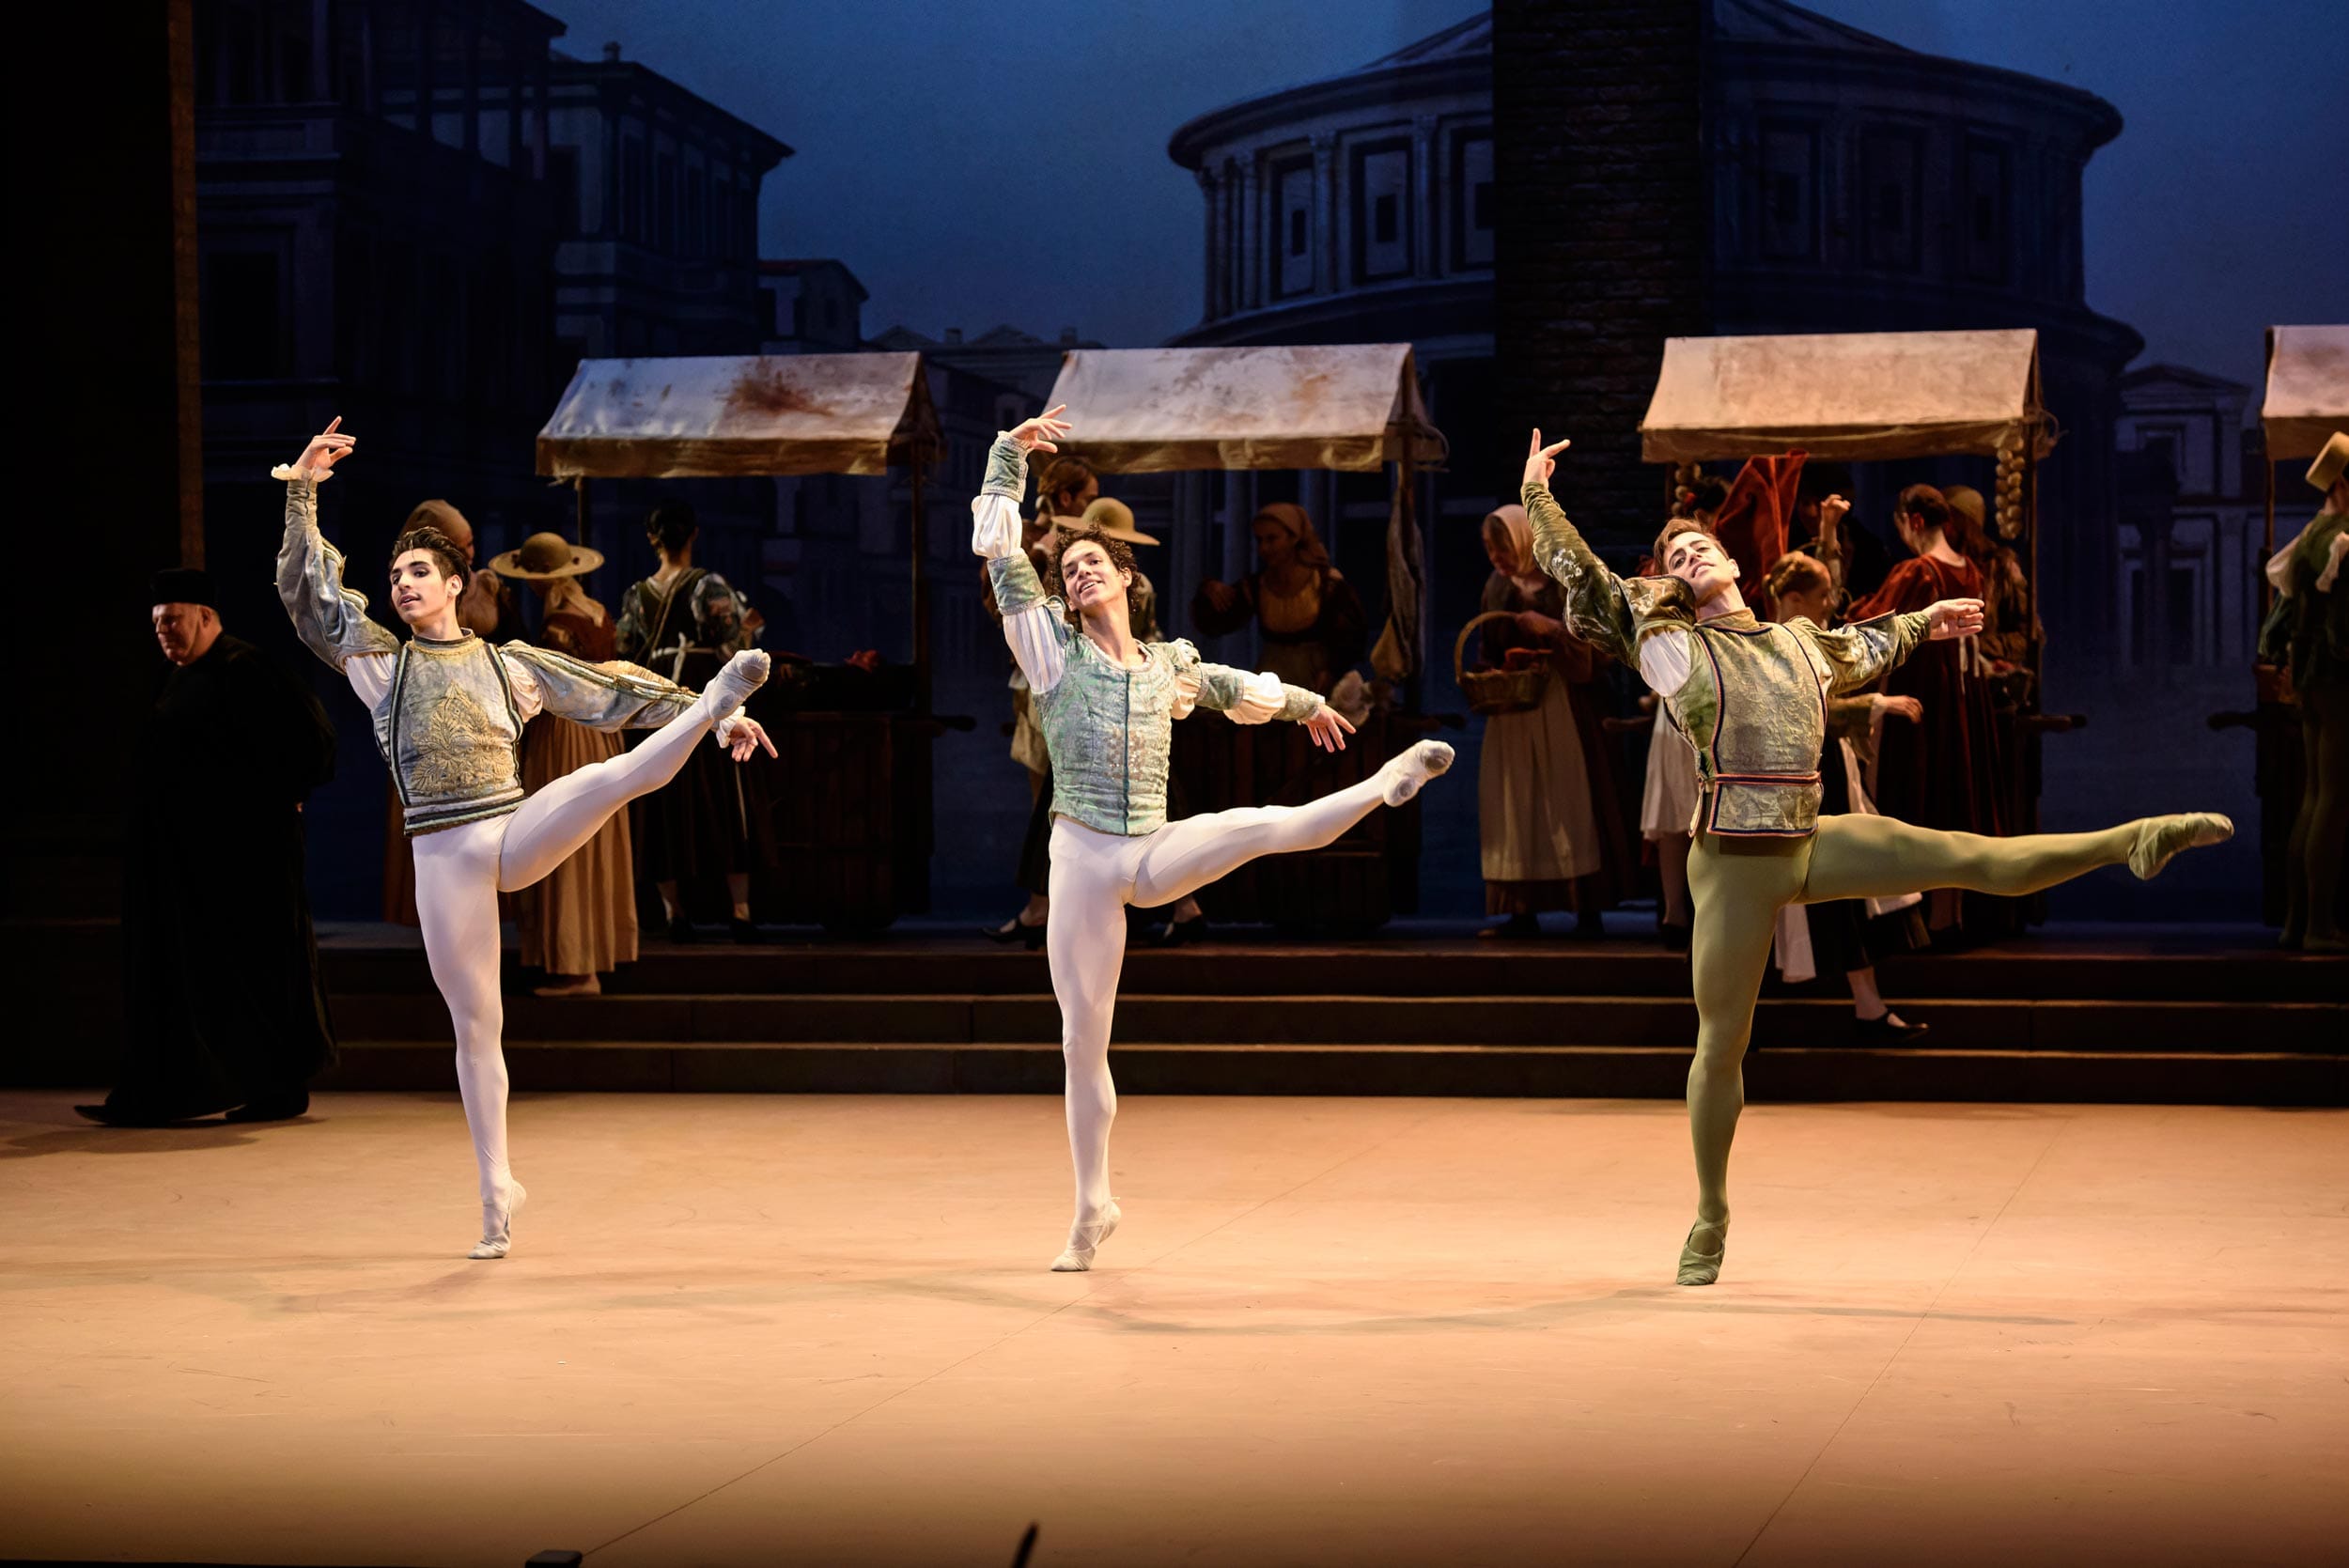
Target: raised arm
column 1597, row 609
column 1032, row 624
column 331, row 619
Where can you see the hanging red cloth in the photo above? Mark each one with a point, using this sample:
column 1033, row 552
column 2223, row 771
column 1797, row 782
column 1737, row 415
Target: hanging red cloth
column 1754, row 521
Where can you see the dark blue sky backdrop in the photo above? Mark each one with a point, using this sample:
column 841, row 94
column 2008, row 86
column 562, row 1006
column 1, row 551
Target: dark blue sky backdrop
column 1008, row 163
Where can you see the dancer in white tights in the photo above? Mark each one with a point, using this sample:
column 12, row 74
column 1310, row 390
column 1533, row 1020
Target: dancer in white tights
column 1107, row 705
column 449, row 710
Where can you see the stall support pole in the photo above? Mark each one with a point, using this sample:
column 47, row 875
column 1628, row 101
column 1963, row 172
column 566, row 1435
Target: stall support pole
column 579, row 494
column 2267, row 546
column 921, row 592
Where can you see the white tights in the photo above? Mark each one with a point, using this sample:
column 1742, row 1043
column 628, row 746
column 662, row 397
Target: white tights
column 1094, row 877
column 459, row 873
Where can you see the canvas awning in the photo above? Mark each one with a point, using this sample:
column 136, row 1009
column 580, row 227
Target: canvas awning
column 2308, row 389
column 1851, row 396
column 1152, row 411
column 784, row 414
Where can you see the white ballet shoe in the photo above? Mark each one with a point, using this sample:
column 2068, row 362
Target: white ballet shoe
column 731, row 687
column 2160, row 838
column 497, row 1224
column 1404, row 775
column 1085, row 1240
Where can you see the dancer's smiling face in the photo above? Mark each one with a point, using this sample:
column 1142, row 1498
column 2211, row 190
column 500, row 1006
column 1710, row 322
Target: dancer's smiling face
column 1091, row 580
column 1699, row 560
column 422, row 588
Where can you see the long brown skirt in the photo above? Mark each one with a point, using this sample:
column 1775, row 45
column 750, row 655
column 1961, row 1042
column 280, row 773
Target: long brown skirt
column 582, row 920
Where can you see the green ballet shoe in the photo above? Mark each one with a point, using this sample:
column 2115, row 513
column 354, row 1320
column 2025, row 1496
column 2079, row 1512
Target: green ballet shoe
column 2158, row 838
column 1702, row 1268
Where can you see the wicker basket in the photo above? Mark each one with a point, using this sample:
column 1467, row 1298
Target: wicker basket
column 1491, row 691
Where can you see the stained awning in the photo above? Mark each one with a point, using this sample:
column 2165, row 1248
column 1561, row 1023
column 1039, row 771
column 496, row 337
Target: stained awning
column 2308, row 389
column 686, row 418
column 1852, row 396
column 1152, row 411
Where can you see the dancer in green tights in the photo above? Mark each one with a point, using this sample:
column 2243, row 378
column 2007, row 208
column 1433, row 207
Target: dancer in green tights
column 1751, row 696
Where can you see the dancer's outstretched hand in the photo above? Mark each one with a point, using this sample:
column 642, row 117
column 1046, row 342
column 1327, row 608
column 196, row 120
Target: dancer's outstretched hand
column 743, row 737
column 1954, row 617
column 1329, row 729
column 1832, row 512
column 1904, row 708
column 1540, row 460
column 326, row 449
column 1038, row 434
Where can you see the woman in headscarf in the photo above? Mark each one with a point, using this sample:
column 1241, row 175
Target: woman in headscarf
column 1551, row 825
column 1314, row 625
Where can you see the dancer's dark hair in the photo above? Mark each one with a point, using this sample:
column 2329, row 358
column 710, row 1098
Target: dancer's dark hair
column 438, row 545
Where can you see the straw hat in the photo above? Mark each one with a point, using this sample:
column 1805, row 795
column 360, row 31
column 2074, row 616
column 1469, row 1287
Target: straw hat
column 2330, row 463
column 544, row 557
column 1115, row 520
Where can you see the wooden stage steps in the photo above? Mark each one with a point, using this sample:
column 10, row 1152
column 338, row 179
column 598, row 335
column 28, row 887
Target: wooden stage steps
column 2154, row 1019
column 2113, row 1013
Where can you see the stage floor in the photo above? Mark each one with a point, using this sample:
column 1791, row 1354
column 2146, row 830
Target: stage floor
column 756, row 1328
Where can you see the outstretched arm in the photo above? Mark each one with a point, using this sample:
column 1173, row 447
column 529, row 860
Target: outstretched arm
column 1031, row 625
column 614, row 696
column 1860, row 652
column 1260, row 698
column 1597, row 609
column 331, row 619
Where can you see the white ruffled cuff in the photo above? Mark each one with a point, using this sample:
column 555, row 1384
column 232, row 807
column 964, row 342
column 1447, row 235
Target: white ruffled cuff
column 1261, row 700
column 288, row 471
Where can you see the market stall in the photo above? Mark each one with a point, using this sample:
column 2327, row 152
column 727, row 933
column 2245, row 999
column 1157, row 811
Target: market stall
column 853, row 785
column 1874, row 398
column 1352, row 408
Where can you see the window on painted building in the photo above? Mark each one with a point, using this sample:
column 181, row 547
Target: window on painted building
column 1889, row 179
column 563, row 186
column 1293, row 198
column 241, row 316
column 633, row 195
column 1472, row 213
column 2169, row 441
column 664, row 236
column 1790, row 186
column 1986, row 185
column 1382, row 228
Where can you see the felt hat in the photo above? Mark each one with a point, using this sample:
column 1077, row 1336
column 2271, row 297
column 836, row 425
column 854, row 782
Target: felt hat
column 544, row 557
column 1115, row 520
column 2330, row 463
column 182, row 586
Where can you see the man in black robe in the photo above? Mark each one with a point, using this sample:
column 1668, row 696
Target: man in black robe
column 222, row 1004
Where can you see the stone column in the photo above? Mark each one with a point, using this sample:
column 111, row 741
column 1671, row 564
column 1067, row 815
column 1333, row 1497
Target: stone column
column 1423, row 202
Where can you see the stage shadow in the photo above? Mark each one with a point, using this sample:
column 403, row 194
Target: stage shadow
column 95, row 1139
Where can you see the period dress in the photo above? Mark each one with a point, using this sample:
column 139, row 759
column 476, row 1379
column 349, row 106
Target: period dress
column 582, row 920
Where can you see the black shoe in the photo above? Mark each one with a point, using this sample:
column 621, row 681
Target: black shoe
column 680, row 929
column 1674, row 938
column 1882, row 1031
column 140, row 1115
column 1174, row 933
column 745, row 933
column 277, row 1108
column 1518, row 927
column 1589, row 926
column 1014, row 930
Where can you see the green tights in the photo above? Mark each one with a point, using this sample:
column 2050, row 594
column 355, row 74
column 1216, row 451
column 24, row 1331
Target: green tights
column 1739, row 885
